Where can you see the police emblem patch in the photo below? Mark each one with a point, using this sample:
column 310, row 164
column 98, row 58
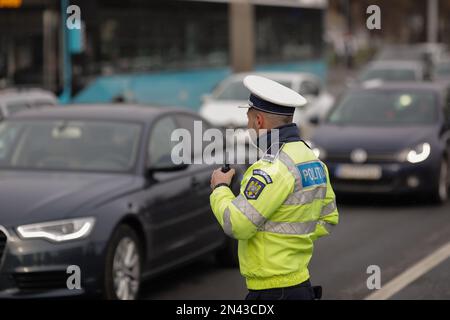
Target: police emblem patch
column 253, row 189
column 263, row 174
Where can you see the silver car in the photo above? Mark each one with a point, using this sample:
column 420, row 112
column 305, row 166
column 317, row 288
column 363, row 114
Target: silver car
column 14, row 100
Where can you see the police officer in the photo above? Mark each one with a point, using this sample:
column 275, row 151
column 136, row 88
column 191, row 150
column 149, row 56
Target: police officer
column 285, row 203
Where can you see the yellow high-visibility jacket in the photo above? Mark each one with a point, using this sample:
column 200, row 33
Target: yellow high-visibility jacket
column 284, row 205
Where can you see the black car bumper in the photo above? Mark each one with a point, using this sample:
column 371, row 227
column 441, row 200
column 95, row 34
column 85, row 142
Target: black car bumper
column 396, row 178
column 36, row 268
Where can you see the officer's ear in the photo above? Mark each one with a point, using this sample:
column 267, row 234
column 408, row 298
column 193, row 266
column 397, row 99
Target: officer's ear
column 260, row 120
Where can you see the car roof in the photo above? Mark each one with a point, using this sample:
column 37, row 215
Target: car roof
column 124, row 112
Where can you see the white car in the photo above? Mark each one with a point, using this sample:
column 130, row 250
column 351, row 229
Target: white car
column 14, row 100
column 221, row 108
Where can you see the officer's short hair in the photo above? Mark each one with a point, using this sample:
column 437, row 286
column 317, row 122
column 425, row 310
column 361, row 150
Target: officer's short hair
column 279, row 119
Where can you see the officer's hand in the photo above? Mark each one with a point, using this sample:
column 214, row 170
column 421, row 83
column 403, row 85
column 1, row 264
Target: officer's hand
column 219, row 177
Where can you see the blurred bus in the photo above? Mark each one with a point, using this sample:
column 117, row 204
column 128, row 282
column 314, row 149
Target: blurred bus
column 167, row 52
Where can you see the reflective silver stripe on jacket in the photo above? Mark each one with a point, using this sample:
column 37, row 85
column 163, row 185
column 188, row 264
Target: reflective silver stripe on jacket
column 306, row 196
column 249, row 211
column 289, row 163
column 328, row 226
column 227, row 223
column 296, row 228
column 329, row 208
column 300, row 196
column 262, row 224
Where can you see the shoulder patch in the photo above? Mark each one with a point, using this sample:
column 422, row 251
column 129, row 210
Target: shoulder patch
column 253, row 189
column 263, row 174
column 312, row 174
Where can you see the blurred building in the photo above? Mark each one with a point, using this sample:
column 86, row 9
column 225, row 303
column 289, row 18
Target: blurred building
column 402, row 21
column 172, row 42
column 123, row 37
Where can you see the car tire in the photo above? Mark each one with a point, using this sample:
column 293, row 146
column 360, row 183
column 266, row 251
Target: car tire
column 123, row 267
column 440, row 191
column 227, row 256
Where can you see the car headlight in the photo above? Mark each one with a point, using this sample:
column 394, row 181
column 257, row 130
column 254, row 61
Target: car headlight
column 417, row 154
column 58, row 231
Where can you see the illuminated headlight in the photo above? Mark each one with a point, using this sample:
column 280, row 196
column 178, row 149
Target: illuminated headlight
column 418, row 154
column 58, row 231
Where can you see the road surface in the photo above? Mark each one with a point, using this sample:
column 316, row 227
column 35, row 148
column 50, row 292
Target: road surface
column 394, row 234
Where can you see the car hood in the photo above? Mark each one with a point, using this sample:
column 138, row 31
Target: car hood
column 29, row 197
column 342, row 139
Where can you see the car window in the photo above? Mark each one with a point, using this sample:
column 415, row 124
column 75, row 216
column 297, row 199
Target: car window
column 189, row 123
column 390, row 107
column 389, row 75
column 6, row 137
column 447, row 106
column 160, row 144
column 443, row 69
column 16, row 107
column 309, row 88
column 69, row 145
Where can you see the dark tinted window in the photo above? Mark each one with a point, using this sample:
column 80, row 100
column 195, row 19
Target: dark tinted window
column 390, row 75
column 386, row 108
column 447, row 105
column 69, row 145
column 191, row 123
column 160, row 144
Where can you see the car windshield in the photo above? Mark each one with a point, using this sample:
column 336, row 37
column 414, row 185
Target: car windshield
column 402, row 53
column 443, row 69
column 237, row 91
column 385, row 108
column 389, row 75
column 68, row 145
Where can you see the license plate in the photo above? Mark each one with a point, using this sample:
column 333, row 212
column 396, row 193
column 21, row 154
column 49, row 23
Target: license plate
column 358, row 172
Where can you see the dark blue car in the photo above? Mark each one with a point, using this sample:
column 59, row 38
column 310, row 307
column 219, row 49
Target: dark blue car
column 92, row 191
column 388, row 138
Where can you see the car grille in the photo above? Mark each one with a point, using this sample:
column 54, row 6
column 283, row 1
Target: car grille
column 41, row 281
column 2, row 245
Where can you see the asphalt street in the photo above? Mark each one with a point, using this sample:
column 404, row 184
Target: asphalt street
column 390, row 233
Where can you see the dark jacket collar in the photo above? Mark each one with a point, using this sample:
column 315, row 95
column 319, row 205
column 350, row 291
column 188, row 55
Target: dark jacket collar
column 287, row 133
